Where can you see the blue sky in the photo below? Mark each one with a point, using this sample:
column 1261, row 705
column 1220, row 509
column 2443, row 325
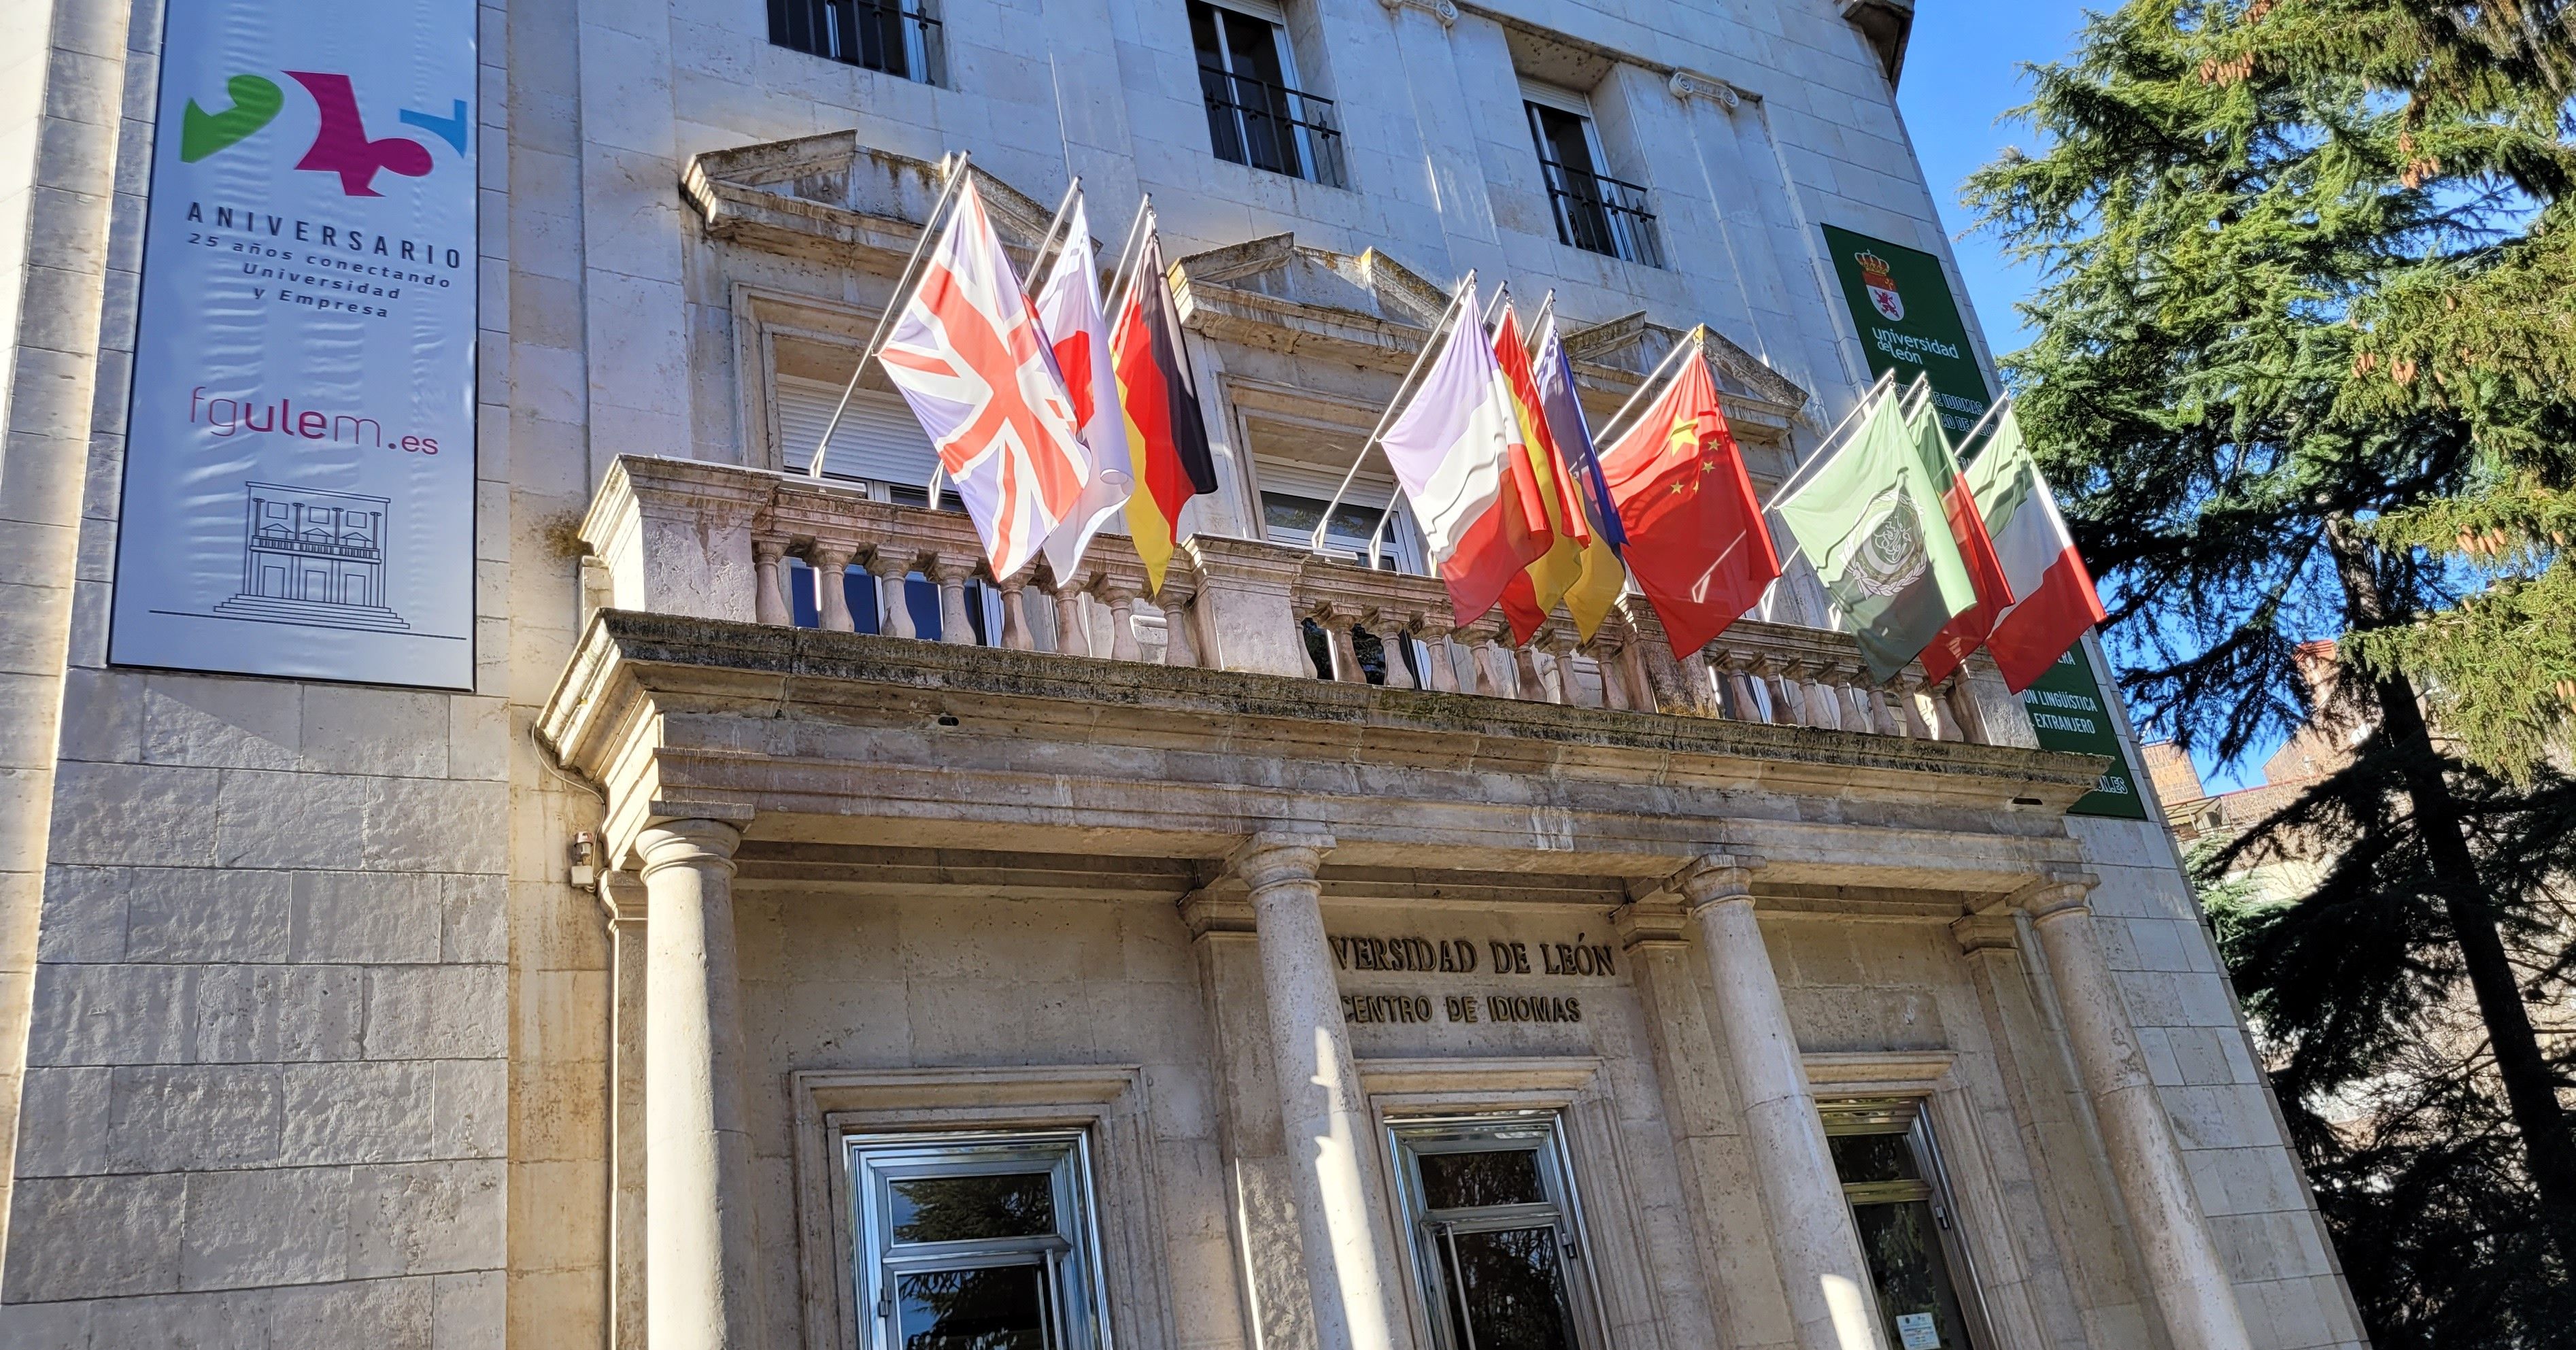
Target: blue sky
column 1962, row 71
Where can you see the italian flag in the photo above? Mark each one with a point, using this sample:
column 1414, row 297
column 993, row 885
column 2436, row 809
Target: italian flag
column 2054, row 602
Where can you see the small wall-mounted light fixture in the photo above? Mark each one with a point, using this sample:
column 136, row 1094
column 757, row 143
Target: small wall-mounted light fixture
column 585, row 861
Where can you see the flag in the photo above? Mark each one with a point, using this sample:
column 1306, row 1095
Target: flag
column 1532, row 595
column 1967, row 630
column 1695, row 539
column 1589, row 600
column 969, row 358
column 1870, row 517
column 1167, row 445
column 1453, row 449
column 1068, row 304
column 2053, row 595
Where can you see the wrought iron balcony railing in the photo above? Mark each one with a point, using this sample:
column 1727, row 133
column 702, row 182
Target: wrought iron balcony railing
column 895, row 36
column 713, row 541
column 1602, row 214
column 1271, row 126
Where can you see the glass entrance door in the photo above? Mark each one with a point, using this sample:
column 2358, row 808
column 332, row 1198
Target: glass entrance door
column 1923, row 1286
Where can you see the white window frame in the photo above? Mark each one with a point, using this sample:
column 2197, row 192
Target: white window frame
column 1077, row 1318
column 1430, row 1234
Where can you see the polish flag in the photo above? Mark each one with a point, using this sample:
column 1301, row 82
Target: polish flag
column 1457, row 450
column 1069, row 312
column 2055, row 602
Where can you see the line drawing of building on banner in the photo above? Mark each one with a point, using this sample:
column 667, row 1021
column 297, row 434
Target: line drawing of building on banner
column 314, row 558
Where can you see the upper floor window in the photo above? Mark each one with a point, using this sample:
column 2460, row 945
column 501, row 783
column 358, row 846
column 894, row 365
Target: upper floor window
column 899, row 37
column 1256, row 114
column 1490, row 1204
column 1593, row 210
column 975, row 1241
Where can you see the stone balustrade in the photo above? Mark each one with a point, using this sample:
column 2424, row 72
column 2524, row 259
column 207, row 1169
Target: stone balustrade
column 715, row 541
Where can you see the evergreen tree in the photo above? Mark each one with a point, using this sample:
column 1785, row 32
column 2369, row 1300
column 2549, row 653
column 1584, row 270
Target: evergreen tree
column 2294, row 370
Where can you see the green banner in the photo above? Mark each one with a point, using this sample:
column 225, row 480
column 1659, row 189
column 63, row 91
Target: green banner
column 1909, row 323
column 2066, row 711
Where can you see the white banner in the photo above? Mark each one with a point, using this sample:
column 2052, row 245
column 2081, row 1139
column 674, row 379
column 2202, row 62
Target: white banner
column 299, row 464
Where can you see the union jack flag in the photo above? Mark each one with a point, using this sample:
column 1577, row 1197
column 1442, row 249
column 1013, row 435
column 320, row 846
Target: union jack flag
column 971, row 360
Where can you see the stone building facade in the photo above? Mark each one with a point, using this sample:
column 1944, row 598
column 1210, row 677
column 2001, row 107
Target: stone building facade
column 725, row 971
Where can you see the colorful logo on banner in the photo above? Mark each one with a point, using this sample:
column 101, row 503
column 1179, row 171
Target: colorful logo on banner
column 298, row 495
column 341, row 144
column 1900, row 300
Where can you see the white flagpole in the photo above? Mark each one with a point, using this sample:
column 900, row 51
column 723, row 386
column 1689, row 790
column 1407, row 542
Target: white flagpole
column 1129, row 254
column 1420, row 359
column 1538, row 321
column 1691, row 342
column 903, row 287
column 1991, row 409
column 1825, row 448
column 1055, row 227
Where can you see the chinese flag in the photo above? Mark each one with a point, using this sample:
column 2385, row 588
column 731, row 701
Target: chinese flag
column 1695, row 539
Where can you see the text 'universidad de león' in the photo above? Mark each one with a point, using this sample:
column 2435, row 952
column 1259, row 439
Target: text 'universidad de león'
column 1412, row 955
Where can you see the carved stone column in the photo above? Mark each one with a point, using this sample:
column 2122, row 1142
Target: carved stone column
column 1434, row 632
column 1072, row 635
column 894, row 605
column 622, row 896
column 1527, row 677
column 1121, row 599
column 768, row 603
column 1394, row 639
column 2184, row 1270
column 1337, row 620
column 1015, row 614
column 830, row 563
column 1350, row 1257
column 701, row 1294
column 1821, row 1266
column 1479, row 638
column 952, row 574
column 1179, row 600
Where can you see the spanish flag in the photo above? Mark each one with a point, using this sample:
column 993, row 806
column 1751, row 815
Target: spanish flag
column 1166, row 435
column 1535, row 592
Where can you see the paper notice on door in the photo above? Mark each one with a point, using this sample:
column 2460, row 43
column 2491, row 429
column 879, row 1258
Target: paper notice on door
column 1916, row 1331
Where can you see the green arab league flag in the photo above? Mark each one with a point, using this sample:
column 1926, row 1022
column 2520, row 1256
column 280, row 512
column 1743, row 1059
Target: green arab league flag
column 1871, row 519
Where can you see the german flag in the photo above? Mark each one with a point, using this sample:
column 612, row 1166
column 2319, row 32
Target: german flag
column 1166, row 434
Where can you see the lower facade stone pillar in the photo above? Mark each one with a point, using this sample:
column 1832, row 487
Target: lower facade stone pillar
column 1350, row 1256
column 2184, row 1270
column 1821, row 1266
column 700, row 1285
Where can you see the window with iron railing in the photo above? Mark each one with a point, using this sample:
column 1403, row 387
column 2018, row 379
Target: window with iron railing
column 898, row 37
column 1256, row 115
column 1593, row 210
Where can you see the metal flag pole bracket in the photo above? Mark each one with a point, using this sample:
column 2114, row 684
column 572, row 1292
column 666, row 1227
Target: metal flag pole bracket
column 1421, row 358
column 902, row 295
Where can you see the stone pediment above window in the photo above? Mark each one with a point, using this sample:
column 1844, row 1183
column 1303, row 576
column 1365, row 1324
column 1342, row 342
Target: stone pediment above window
column 831, row 198
column 1622, row 350
column 1279, row 294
